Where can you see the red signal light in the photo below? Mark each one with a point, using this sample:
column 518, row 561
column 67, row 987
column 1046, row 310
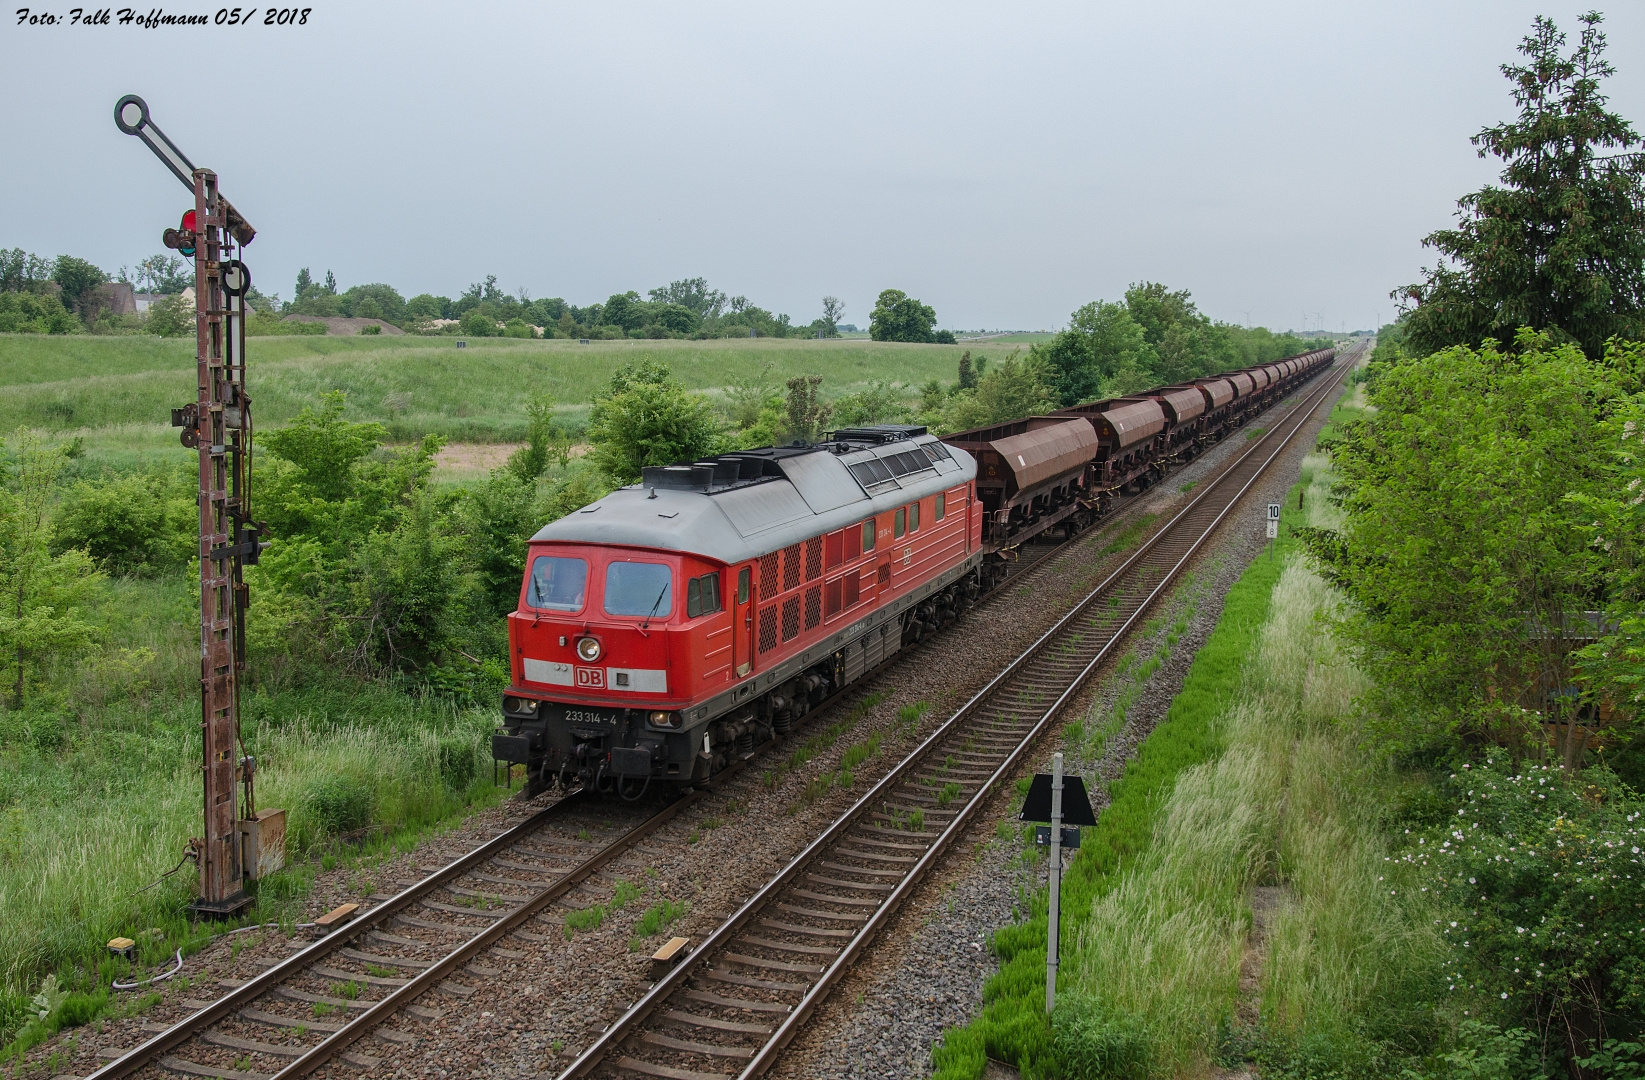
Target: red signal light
column 188, row 221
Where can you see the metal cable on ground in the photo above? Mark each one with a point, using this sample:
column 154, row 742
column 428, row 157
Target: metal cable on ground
column 177, row 965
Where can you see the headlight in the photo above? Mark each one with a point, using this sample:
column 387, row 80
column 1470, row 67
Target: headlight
column 588, row 648
column 519, row 705
column 665, row 719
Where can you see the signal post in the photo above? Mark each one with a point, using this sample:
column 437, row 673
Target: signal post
column 239, row 842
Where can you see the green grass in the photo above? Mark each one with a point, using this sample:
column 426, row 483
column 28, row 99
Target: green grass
column 1012, row 1026
column 117, row 392
column 656, row 919
column 99, row 793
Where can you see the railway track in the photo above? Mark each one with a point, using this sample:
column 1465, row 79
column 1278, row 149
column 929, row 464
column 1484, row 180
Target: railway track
column 743, row 994
column 363, row 989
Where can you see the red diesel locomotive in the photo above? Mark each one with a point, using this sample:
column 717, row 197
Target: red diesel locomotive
column 685, row 619
column 682, row 621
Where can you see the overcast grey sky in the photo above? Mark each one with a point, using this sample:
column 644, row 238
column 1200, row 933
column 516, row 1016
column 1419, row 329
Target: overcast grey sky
column 1003, row 162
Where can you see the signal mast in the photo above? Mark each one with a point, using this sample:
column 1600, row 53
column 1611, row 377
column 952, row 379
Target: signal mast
column 239, row 842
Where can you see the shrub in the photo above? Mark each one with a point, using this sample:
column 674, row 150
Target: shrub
column 1088, row 1044
column 476, row 324
column 1542, row 870
column 127, row 524
column 35, row 313
column 458, row 764
column 337, row 804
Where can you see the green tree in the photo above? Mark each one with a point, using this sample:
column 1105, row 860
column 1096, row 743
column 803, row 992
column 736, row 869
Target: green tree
column 374, row 302
column 131, row 524
column 427, row 306
column 833, row 312
column 323, row 447
column 531, row 460
column 625, row 311
column 163, row 273
column 693, row 294
column 22, row 272
column 677, row 318
column 806, row 413
column 79, row 280
column 880, row 403
column 1560, row 245
column 1461, row 546
column 170, row 316
column 479, row 324
column 1103, row 352
column 42, row 596
column 644, row 417
column 899, row 317
column 1008, row 390
column 35, row 313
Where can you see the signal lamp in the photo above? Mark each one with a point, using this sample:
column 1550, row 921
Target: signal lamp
column 519, row 705
column 588, row 648
column 666, row 719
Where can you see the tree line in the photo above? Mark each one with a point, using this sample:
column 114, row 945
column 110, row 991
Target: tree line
column 1491, row 545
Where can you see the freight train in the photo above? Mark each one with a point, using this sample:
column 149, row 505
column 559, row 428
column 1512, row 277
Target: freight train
column 676, row 624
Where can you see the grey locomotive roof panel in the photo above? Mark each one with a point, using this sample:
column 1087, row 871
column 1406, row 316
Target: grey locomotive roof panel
column 744, row 522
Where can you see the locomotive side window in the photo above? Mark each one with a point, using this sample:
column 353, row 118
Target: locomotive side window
column 899, row 522
column 557, row 583
column 702, row 595
column 743, row 577
column 942, row 505
column 868, row 535
column 639, row 588
column 914, row 517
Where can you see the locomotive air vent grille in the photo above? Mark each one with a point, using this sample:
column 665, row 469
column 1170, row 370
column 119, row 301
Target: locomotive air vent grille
column 885, row 574
column 768, row 628
column 791, row 618
column 791, row 567
column 768, row 576
column 813, row 606
column 813, row 558
column 834, row 597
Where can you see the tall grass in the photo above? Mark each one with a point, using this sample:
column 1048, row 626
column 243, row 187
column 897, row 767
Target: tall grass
column 100, row 791
column 84, row 385
column 1293, row 802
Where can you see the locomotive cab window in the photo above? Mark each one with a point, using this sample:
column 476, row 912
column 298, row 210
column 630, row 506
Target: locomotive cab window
column 702, row 595
column 899, row 522
column 914, row 517
column 744, row 576
column 639, row 588
column 557, row 583
column 942, row 505
column 868, row 535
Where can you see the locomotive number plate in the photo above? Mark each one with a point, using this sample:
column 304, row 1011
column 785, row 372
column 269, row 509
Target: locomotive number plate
column 589, row 716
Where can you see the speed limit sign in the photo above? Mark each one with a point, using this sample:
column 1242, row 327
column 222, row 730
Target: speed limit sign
column 1273, row 520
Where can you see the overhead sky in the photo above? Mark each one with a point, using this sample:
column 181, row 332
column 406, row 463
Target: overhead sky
column 1005, row 163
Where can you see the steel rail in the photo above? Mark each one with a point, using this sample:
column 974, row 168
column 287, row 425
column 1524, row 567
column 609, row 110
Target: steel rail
column 642, row 1009
column 253, row 988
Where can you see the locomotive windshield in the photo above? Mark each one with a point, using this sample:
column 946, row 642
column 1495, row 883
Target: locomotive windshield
column 639, row 588
column 557, row 583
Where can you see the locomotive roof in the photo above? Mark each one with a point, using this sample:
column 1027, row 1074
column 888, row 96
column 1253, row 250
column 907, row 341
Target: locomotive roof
column 742, row 505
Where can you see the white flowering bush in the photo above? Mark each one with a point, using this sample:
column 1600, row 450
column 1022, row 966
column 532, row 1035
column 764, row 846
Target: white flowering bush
column 1544, row 875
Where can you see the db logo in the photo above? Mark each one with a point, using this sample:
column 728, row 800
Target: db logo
column 591, row 677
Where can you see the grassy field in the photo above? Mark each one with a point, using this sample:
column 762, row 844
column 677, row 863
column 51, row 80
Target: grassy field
column 116, row 393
